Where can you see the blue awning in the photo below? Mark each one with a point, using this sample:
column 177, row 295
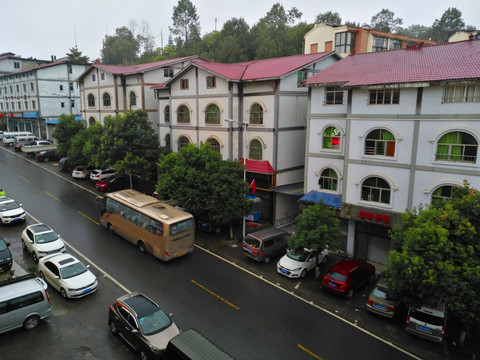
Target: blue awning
column 314, row 197
column 55, row 121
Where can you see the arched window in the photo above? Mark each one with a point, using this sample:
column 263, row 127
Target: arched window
column 441, row 194
column 212, row 114
column 256, row 114
column 133, row 99
column 457, row 146
column 255, row 150
column 106, row 99
column 166, row 113
column 376, row 189
column 167, row 141
column 183, row 114
column 91, row 100
column 183, row 142
column 331, row 138
column 328, row 180
column 215, row 145
column 380, row 142
column 91, row 120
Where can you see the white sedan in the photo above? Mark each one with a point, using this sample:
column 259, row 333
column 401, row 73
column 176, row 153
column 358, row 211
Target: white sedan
column 68, row 275
column 297, row 264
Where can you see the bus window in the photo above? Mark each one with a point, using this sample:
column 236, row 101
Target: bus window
column 131, row 215
column 157, row 227
column 181, row 226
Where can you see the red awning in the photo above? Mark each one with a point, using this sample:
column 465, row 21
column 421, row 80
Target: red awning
column 261, row 167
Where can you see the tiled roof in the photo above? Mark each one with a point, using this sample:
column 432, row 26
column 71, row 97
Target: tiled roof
column 262, row 69
column 258, row 166
column 449, row 61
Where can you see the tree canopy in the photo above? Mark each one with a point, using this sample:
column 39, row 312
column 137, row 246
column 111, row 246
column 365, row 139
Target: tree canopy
column 75, row 56
column 329, row 18
column 121, row 48
column 385, row 21
column 185, row 25
column 65, row 130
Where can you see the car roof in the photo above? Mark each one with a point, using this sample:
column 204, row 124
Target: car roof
column 345, row 266
column 61, row 259
column 40, row 228
column 139, row 303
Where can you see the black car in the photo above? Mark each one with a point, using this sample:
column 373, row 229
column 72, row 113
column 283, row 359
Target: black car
column 5, row 256
column 46, row 155
column 142, row 324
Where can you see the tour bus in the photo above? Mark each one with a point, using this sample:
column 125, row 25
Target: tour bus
column 160, row 229
column 9, row 136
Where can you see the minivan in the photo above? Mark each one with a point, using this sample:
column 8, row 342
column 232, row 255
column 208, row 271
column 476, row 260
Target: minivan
column 24, row 301
column 264, row 244
column 428, row 321
column 191, row 345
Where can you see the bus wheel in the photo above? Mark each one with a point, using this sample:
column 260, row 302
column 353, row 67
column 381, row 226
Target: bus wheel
column 110, row 228
column 141, row 246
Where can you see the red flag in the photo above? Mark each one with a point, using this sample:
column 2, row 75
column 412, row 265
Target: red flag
column 253, row 187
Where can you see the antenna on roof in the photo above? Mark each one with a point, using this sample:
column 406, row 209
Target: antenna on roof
column 75, row 35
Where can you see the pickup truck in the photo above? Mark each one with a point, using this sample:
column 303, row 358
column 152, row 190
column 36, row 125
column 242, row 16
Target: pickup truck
column 39, row 145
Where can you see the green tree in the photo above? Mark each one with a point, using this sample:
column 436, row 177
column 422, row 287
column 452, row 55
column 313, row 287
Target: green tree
column 317, row 227
column 416, row 31
column 186, row 26
column 233, row 43
column 65, row 130
column 121, row 48
column 436, row 253
column 75, row 56
column 450, row 22
column 200, row 181
column 384, row 21
column 329, row 18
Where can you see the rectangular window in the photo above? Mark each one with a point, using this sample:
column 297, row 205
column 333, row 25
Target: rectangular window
column 61, row 87
column 72, row 103
column 102, row 76
column 379, row 44
column 333, row 95
column 32, row 86
column 345, row 42
column 301, row 77
column 167, row 72
column 461, row 94
column 71, row 86
column 25, row 87
column 16, row 65
column 211, row 82
column 184, row 84
column 94, row 78
column 384, row 97
column 62, row 104
column 395, row 44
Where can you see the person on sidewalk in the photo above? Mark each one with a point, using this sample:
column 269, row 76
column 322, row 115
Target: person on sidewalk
column 2, row 193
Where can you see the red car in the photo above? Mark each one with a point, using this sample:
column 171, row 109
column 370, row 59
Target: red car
column 348, row 275
column 113, row 183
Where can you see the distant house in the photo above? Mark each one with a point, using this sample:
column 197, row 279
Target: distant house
column 10, row 63
column 346, row 40
column 108, row 90
column 32, row 99
column 464, row 35
column 389, row 131
column 265, row 102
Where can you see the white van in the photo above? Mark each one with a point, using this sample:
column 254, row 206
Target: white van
column 24, row 301
column 9, row 136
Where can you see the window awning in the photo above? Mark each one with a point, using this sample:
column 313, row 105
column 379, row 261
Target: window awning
column 55, row 121
column 257, row 166
column 314, row 197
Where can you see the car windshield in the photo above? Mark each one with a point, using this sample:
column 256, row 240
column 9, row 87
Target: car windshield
column 46, row 237
column 3, row 245
column 72, row 270
column 155, row 322
column 336, row 276
column 298, row 256
column 9, row 206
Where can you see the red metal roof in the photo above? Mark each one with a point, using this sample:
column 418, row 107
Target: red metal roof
column 261, row 69
column 257, row 166
column 449, row 61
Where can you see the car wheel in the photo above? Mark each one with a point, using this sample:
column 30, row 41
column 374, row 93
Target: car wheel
column 64, row 293
column 141, row 246
column 31, row 322
column 113, row 328
column 325, row 259
column 350, row 294
column 24, row 247
column 35, row 257
column 143, row 355
column 267, row 260
column 110, row 228
column 304, row 273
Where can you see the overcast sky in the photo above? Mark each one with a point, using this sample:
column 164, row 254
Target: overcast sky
column 41, row 28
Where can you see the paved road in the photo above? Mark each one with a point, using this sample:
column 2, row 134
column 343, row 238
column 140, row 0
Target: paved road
column 247, row 308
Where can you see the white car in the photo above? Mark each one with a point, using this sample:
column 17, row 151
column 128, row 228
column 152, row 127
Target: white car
column 82, row 172
column 68, row 275
column 40, row 240
column 10, row 211
column 99, row 175
column 297, row 264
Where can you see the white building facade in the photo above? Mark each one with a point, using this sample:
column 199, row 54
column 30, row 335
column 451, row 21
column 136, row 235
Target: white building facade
column 390, row 131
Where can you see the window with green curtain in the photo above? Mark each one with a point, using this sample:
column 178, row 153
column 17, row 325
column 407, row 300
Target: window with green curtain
column 255, row 150
column 256, row 114
column 212, row 114
column 331, row 138
column 380, row 142
column 441, row 194
column 183, row 114
column 457, row 146
column 328, row 180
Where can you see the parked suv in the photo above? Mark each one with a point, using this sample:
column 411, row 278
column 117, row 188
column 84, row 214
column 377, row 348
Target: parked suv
column 348, row 275
column 40, row 240
column 10, row 211
column 264, row 244
column 428, row 321
column 142, row 324
column 5, row 255
column 99, row 175
column 296, row 264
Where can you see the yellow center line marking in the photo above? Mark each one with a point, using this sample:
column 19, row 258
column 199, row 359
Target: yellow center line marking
column 24, row 179
column 89, row 218
column 46, row 192
column 309, row 352
column 217, row 296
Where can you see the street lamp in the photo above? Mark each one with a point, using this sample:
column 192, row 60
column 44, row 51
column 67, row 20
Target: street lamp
column 242, row 126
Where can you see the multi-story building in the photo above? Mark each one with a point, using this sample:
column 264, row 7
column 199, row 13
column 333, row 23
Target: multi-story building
column 346, row 40
column 265, row 105
column 389, row 131
column 108, row 90
column 10, row 63
column 32, row 99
